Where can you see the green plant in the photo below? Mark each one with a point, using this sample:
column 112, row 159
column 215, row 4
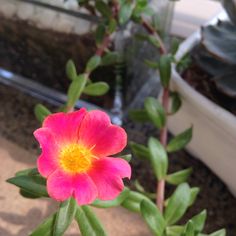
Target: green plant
column 162, row 217
column 216, row 53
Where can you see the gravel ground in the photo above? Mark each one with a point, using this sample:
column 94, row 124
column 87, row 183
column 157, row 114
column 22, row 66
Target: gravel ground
column 17, row 124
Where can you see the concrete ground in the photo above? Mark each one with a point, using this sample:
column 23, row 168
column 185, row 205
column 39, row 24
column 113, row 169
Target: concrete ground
column 19, row 216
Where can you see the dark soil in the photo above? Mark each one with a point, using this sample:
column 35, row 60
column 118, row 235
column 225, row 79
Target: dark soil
column 41, row 55
column 203, row 83
column 17, row 124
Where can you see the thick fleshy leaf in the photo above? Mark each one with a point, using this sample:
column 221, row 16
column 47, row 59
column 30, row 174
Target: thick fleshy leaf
column 75, row 90
column 41, row 112
column 93, row 63
column 180, row 141
column 46, row 228
column 71, row 70
column 98, row 133
column 35, row 185
column 88, row 222
column 165, row 70
column 133, row 201
column 177, row 204
column 175, row 230
column 193, row 195
column 189, row 229
column 110, row 58
column 104, row 9
column 112, row 203
column 125, row 12
column 179, row 177
column 139, row 115
column 221, row 232
column 175, row 102
column 100, row 33
column 140, row 150
column 199, row 221
column 155, row 112
column 64, row 217
column 158, row 158
column 96, row 89
column 153, row 217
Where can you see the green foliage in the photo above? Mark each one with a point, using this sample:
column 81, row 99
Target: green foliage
column 96, row 89
column 139, row 115
column 179, row 177
column 177, row 204
column 93, row 63
column 71, row 70
column 153, row 217
column 110, row 58
column 104, row 9
column 140, row 151
column 46, row 228
column 180, row 141
column 155, row 112
column 41, row 112
column 35, row 184
column 125, row 12
column 165, row 70
column 64, row 217
column 88, row 223
column 100, row 33
column 75, row 90
column 158, row 157
column 175, row 102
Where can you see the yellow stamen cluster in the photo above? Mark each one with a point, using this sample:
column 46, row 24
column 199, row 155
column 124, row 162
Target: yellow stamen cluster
column 75, row 158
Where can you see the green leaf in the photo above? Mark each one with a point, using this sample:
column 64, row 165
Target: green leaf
column 96, row 89
column 153, row 40
column 221, row 232
column 71, row 70
column 30, row 171
column 139, row 115
column 153, row 217
column 88, row 223
column 140, row 150
column 76, row 89
column 175, row 103
column 152, row 64
column 125, row 12
column 100, row 33
column 193, row 195
column 165, row 70
column 189, row 229
column 158, row 158
column 126, row 157
column 133, row 201
column 104, row 9
column 180, row 141
column 112, row 203
column 174, row 230
column 110, row 58
column 41, row 112
column 177, row 204
column 35, row 185
column 46, row 228
column 174, row 46
column 155, row 112
column 199, row 221
column 26, row 194
column 64, row 217
column 179, row 177
column 93, row 63
column 112, row 26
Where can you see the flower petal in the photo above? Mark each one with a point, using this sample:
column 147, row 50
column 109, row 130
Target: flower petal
column 85, row 191
column 65, row 126
column 60, row 185
column 107, row 174
column 47, row 162
column 97, row 131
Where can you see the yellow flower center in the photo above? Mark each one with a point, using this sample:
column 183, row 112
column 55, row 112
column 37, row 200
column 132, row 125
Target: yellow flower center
column 75, row 158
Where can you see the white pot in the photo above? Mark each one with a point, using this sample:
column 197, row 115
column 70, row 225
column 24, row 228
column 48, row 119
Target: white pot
column 214, row 134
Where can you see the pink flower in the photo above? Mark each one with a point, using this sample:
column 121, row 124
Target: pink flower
column 75, row 156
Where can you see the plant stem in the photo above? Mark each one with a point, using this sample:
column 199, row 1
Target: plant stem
column 160, row 190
